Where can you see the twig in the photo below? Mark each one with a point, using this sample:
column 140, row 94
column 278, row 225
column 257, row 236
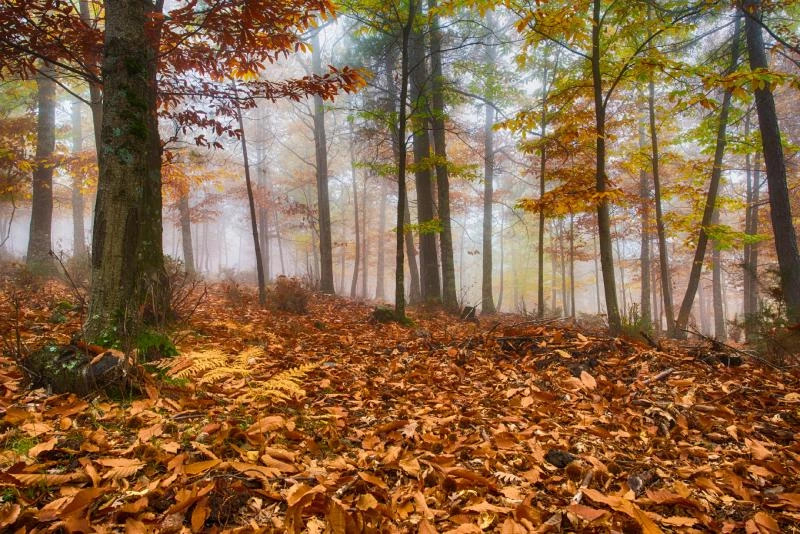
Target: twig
column 660, row 376
column 587, row 479
column 716, row 342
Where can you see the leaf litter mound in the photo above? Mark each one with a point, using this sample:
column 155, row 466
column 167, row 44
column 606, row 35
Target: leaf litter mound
column 329, row 422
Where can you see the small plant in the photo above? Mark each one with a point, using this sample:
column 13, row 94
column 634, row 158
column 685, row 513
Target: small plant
column 289, row 294
column 770, row 334
column 633, row 324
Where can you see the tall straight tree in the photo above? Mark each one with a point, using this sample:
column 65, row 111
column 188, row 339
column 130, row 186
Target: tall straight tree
column 780, row 206
column 644, row 261
column 78, row 204
column 420, row 88
column 321, row 156
column 711, row 197
column 184, row 214
column 39, row 239
column 487, row 299
column 449, row 298
column 399, row 287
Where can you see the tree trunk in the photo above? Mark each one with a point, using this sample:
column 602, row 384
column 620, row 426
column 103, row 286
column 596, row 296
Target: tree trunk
column 621, row 260
column 380, row 282
column 553, row 267
column 95, row 89
column 402, row 201
column 428, row 262
column 502, row 263
column 321, row 154
column 449, row 297
column 542, row 170
column 716, row 275
column 262, row 289
column 186, row 232
column 279, row 240
column 603, row 220
column 562, row 263
column 263, row 198
column 572, row 265
column 487, row 300
column 711, row 198
column 644, row 257
column 357, row 226
column 39, row 239
column 128, row 277
column 78, row 205
column 364, row 241
column 751, row 251
column 780, row 207
column 596, row 276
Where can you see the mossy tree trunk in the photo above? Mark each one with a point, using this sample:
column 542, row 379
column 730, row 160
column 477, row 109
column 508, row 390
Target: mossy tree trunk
column 39, row 240
column 128, row 277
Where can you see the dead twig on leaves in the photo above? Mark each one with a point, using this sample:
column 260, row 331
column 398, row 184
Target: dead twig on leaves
column 717, row 343
column 587, row 479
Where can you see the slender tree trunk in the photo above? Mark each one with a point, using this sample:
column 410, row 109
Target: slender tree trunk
column 572, row 265
column 487, row 300
column 186, row 232
column 380, row 282
column 663, row 263
column 621, row 260
column 364, row 241
column 428, row 262
column 95, row 89
column 542, row 170
column 562, row 262
column 262, row 288
column 502, row 263
column 656, row 296
column 78, row 204
column 321, row 154
column 644, row 258
column 279, row 240
column 128, row 277
column 399, row 288
column 716, row 274
column 711, row 198
column 596, row 276
column 39, row 238
column 263, row 198
column 449, row 297
column 752, row 257
column 357, row 226
column 553, row 267
column 780, row 206
column 603, row 219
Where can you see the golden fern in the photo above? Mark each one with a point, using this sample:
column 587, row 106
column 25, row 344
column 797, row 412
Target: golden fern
column 214, row 366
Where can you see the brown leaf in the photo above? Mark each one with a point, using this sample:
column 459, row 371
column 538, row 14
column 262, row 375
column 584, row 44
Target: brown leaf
column 586, row 512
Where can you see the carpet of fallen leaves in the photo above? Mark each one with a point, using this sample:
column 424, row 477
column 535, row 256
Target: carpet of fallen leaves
column 441, row 426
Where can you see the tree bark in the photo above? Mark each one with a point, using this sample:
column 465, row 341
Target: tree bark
column 644, row 258
column 95, row 89
column 262, row 289
column 716, row 283
column 357, row 226
column 39, row 238
column 78, row 205
column 711, row 198
column 128, row 277
column 381, row 267
column 542, row 170
column 321, row 155
column 186, row 232
column 399, row 288
column 449, row 297
column 364, row 240
column 572, row 265
column 603, row 219
column 428, row 262
column 780, row 207
column 487, row 300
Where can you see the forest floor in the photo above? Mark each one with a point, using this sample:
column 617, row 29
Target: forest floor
column 441, row 426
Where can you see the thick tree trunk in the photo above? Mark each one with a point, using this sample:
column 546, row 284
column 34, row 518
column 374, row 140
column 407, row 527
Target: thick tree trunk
column 428, row 262
column 379, row 274
column 39, row 239
column 603, row 219
column 644, row 257
column 711, row 198
column 78, row 204
column 128, row 278
column 487, row 300
column 780, row 206
column 321, row 154
column 186, row 232
column 262, row 287
column 449, row 297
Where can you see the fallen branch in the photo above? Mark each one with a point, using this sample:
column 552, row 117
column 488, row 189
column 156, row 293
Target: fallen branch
column 587, row 479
